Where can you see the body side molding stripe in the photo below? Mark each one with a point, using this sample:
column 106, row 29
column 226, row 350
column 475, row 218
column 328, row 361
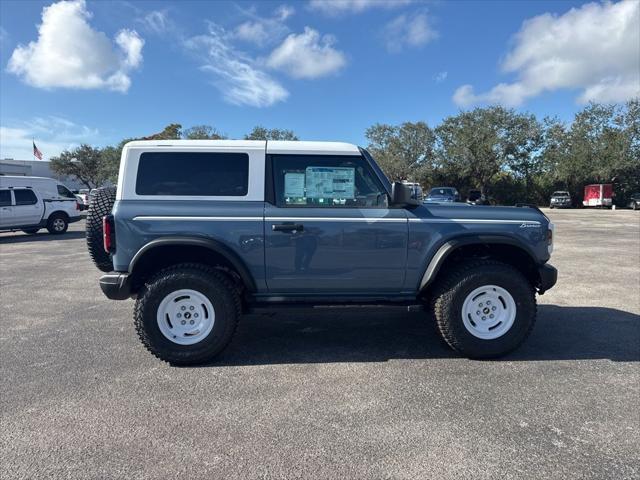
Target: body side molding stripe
column 328, row 219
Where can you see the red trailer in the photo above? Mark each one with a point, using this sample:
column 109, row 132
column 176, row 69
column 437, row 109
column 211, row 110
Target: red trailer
column 598, row 195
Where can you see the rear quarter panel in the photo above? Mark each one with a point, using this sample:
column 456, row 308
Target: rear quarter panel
column 236, row 224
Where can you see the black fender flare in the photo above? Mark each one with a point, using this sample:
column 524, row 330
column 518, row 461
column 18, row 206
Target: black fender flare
column 450, row 245
column 214, row 245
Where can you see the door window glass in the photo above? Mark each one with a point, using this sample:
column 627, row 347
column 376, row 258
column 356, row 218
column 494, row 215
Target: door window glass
column 65, row 192
column 326, row 181
column 25, row 197
column 5, row 198
column 193, row 173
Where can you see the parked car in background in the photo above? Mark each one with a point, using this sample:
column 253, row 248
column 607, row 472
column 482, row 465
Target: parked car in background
column 476, row 197
column 443, row 194
column 83, row 198
column 32, row 203
column 598, row 195
column 634, row 202
column 560, row 199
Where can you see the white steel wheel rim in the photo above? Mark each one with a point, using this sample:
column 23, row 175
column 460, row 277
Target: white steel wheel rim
column 185, row 317
column 58, row 224
column 488, row 312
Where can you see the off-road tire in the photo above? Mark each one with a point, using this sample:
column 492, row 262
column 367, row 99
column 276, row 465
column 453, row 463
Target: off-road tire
column 53, row 222
column 456, row 285
column 31, row 231
column 216, row 286
column 100, row 205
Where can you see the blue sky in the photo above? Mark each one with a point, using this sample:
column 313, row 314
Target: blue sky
column 97, row 72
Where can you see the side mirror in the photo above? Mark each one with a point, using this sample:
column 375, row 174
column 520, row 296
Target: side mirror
column 402, row 195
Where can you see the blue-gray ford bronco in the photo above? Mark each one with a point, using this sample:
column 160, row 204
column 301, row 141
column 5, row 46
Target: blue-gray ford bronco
column 199, row 232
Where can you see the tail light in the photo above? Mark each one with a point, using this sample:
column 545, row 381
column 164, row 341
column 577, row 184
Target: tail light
column 109, row 234
column 77, row 205
column 550, row 231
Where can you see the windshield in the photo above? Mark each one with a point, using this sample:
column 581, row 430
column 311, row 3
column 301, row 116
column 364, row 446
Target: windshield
column 441, row 192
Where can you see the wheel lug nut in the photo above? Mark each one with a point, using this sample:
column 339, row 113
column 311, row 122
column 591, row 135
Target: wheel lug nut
column 479, row 304
column 183, row 322
column 195, row 315
column 191, row 322
column 484, row 318
column 478, row 312
column 191, row 307
column 183, row 308
column 179, row 315
column 493, row 308
column 491, row 316
column 488, row 302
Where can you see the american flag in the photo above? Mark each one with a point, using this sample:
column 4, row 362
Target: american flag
column 36, row 153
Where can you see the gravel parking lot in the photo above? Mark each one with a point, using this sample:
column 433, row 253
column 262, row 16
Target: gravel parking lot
column 340, row 395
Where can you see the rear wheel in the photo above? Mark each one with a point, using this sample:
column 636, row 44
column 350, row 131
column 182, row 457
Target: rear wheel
column 484, row 309
column 100, row 205
column 57, row 223
column 187, row 314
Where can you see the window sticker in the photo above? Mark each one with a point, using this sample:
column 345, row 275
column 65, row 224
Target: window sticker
column 294, row 185
column 330, row 182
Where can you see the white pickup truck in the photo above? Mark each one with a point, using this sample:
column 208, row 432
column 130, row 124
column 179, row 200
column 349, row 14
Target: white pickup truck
column 32, row 203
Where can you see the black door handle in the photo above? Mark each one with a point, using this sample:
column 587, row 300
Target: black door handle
column 287, row 227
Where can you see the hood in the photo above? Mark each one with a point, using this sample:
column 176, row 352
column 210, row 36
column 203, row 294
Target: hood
column 478, row 212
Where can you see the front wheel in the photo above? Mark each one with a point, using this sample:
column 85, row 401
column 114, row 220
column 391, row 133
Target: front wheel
column 187, row 314
column 484, row 309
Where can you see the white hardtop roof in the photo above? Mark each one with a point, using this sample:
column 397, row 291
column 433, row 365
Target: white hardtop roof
column 335, row 148
column 272, row 146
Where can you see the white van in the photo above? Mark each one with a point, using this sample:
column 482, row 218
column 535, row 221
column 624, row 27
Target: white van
column 32, row 203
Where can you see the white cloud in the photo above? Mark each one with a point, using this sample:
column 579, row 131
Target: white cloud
column 594, row 48
column 339, row 7
column 237, row 77
column 52, row 135
column 157, row 21
column 440, row 77
column 71, row 54
column 307, row 55
column 264, row 30
column 408, row 30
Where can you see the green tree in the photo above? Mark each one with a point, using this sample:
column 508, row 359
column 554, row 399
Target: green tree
column 470, row 146
column 111, row 161
column 522, row 139
column 202, row 132
column 262, row 133
column 170, row 132
column 85, row 163
column 405, row 151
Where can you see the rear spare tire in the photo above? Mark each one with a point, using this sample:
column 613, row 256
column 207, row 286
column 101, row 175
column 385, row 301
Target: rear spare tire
column 101, row 204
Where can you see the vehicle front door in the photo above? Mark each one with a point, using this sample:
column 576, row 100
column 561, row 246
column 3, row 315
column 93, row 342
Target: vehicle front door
column 6, row 210
column 27, row 209
column 329, row 228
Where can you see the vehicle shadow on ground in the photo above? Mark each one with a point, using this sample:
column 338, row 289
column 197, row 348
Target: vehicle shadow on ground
column 561, row 333
column 44, row 236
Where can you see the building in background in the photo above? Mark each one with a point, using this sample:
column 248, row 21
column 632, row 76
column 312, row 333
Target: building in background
column 36, row 168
